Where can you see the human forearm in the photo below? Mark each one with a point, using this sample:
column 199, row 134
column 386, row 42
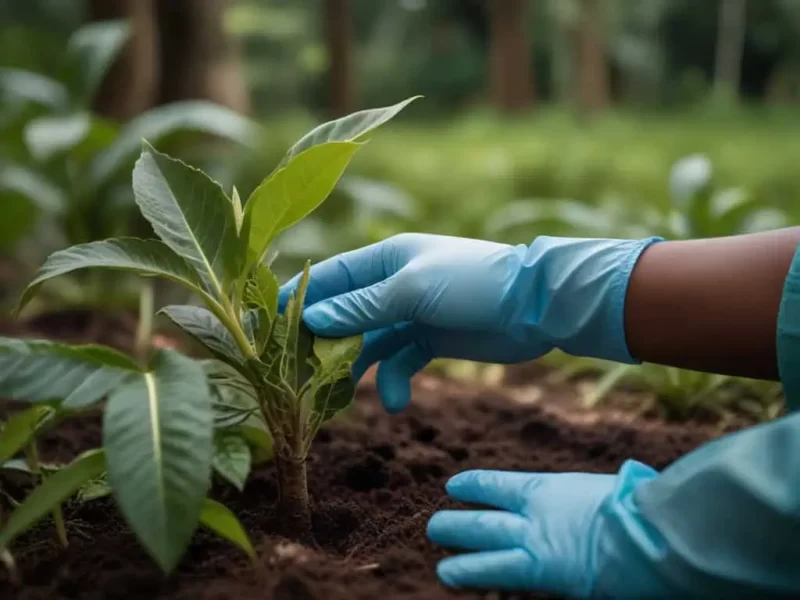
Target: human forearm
column 710, row 305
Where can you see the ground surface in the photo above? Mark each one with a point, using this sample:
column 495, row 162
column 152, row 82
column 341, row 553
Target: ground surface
column 375, row 481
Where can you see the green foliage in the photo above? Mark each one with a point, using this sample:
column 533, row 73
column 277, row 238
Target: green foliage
column 45, row 498
column 63, row 168
column 170, row 422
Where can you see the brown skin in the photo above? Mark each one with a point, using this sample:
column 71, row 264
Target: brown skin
column 711, row 305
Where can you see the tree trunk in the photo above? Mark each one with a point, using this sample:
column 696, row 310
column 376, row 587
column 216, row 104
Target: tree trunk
column 592, row 68
column 511, row 64
column 131, row 85
column 730, row 48
column 198, row 57
column 338, row 25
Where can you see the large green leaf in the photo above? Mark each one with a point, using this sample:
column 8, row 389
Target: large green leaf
column 347, row 129
column 53, row 491
column 231, row 458
column 294, row 191
column 145, row 257
column 191, row 214
column 217, row 518
column 156, row 125
column 158, row 436
column 45, row 371
column 19, row 429
column 207, row 329
column 93, row 49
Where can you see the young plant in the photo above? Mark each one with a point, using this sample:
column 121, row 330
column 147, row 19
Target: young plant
column 171, row 421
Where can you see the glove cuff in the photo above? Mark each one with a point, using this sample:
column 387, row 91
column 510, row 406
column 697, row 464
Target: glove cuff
column 572, row 291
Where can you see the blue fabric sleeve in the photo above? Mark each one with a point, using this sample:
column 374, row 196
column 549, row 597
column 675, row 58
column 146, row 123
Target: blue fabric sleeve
column 724, row 521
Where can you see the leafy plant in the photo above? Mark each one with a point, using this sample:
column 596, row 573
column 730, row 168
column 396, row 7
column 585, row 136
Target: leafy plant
column 170, row 421
column 62, row 167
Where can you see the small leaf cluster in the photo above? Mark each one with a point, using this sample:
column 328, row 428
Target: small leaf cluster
column 170, row 421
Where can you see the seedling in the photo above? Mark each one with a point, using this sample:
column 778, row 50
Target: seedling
column 171, row 421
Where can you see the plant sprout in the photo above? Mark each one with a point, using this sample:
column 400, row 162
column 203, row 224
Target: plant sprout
column 171, row 421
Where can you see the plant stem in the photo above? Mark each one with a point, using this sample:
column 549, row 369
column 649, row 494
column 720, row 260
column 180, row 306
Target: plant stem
column 293, row 504
column 144, row 329
column 32, row 454
column 8, row 561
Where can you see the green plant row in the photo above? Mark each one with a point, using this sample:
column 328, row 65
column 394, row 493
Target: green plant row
column 171, row 421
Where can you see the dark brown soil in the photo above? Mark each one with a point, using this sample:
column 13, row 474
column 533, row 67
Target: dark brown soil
column 375, row 480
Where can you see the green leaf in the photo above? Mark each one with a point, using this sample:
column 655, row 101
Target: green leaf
column 262, row 290
column 347, row 129
column 18, row 85
column 47, row 136
column 333, row 386
column 93, row 48
column 158, row 435
column 207, row 329
column 257, row 436
column 330, row 398
column 217, row 518
column 191, row 214
column 238, row 210
column 293, row 192
column 145, row 257
column 95, row 489
column 19, row 429
column 54, row 490
column 298, row 343
column 25, row 194
column 337, row 355
column 21, row 465
column 45, row 371
column 231, row 458
column 158, row 124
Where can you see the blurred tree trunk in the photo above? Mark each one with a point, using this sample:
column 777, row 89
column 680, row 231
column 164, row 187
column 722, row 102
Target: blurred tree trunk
column 198, row 58
column 511, row 63
column 730, row 48
column 592, row 86
column 131, row 85
column 338, row 26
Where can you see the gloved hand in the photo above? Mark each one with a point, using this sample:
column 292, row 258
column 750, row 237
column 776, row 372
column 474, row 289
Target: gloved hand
column 572, row 534
column 418, row 297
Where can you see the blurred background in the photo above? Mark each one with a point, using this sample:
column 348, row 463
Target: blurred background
column 620, row 118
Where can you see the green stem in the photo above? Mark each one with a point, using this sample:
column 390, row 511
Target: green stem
column 32, row 455
column 144, row 329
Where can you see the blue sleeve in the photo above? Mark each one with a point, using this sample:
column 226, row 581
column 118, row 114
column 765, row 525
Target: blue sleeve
column 724, row 521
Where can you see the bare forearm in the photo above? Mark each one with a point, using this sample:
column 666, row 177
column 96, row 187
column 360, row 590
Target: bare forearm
column 710, row 305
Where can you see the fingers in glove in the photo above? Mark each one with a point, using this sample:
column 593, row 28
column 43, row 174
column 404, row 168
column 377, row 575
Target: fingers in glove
column 477, row 529
column 338, row 275
column 502, row 489
column 498, row 570
column 394, row 376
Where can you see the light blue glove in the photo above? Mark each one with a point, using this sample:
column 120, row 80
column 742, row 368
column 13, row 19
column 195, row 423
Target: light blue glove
column 722, row 522
column 418, row 297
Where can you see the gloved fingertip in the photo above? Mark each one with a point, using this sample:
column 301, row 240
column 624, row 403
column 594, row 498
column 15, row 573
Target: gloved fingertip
column 448, row 572
column 459, row 481
column 318, row 318
column 393, row 388
column 435, row 525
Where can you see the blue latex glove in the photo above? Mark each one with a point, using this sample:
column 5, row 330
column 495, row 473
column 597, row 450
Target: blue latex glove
column 722, row 522
column 419, row 297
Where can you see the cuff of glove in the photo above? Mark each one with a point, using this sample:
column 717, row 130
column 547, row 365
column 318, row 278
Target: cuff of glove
column 575, row 293
column 788, row 341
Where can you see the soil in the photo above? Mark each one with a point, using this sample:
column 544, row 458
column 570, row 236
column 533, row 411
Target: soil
column 374, row 479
